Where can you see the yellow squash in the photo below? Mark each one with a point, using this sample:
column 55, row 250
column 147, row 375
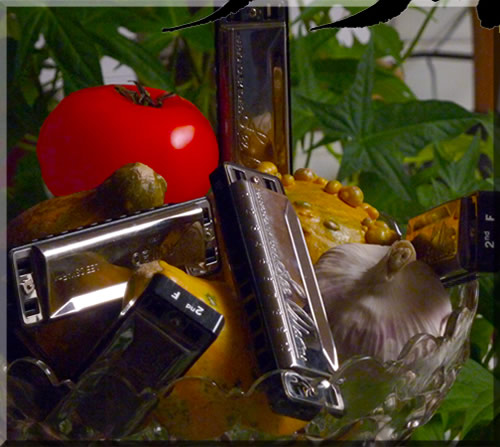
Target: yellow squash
column 213, row 395
column 131, row 188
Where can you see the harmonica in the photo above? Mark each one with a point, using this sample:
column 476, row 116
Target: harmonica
column 457, row 239
column 253, row 87
column 277, row 283
column 154, row 342
column 79, row 270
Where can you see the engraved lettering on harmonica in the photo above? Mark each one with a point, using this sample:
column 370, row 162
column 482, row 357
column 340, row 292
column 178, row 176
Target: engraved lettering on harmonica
column 78, row 272
column 249, row 127
column 301, row 323
column 246, row 125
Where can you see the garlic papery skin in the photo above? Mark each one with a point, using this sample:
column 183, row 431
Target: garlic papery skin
column 378, row 297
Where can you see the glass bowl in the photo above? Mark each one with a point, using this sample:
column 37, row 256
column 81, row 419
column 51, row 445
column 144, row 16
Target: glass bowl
column 384, row 401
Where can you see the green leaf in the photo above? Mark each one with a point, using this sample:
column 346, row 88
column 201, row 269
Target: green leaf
column 387, row 163
column 412, row 125
column 358, row 101
column 445, row 180
column 387, row 41
column 173, row 16
column 136, row 20
column 451, row 150
column 489, row 305
column 73, row 50
column 28, row 186
column 148, row 68
column 480, row 338
column 155, row 43
column 353, row 114
column 32, row 21
column 482, row 410
column 200, row 38
column 390, row 88
column 24, row 118
column 303, row 68
column 460, row 176
column 337, row 75
column 334, row 75
column 433, row 194
column 311, row 11
column 303, row 120
column 472, row 395
column 431, row 431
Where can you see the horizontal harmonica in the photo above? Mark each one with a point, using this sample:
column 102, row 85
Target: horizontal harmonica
column 72, row 272
column 457, row 239
column 276, row 280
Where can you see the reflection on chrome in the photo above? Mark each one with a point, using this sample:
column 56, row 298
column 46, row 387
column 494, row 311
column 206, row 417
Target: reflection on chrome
column 91, row 299
column 111, row 235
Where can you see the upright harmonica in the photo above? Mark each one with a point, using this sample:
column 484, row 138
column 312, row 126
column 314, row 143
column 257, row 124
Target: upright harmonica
column 82, row 269
column 253, row 87
column 457, row 239
column 276, row 280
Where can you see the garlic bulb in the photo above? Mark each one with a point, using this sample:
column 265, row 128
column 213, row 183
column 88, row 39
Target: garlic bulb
column 377, row 297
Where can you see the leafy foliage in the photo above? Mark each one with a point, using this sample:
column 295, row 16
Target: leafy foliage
column 469, row 404
column 375, row 138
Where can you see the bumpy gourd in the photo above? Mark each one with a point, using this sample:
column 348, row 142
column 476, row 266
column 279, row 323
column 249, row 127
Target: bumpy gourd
column 331, row 213
column 131, row 188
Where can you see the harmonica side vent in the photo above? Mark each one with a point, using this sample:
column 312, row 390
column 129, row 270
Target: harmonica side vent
column 240, row 175
column 29, row 299
column 270, row 185
column 212, row 255
column 207, row 218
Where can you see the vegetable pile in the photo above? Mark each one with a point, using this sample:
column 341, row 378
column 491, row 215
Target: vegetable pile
column 94, row 163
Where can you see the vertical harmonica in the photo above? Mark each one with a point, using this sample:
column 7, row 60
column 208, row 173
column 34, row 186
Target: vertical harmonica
column 457, row 239
column 253, row 87
column 276, row 280
column 82, row 269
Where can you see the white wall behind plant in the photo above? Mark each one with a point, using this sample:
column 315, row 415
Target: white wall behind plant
column 450, row 31
column 428, row 78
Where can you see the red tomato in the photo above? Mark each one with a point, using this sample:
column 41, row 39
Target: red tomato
column 94, row 131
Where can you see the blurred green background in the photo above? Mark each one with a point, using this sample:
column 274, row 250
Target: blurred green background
column 406, row 154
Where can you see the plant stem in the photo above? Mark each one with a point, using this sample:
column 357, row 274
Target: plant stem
column 309, row 149
column 416, row 39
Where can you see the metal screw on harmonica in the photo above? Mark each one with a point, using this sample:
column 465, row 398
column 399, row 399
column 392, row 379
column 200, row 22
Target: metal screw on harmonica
column 277, row 283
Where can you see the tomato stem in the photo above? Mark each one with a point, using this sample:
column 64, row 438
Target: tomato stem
column 142, row 97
